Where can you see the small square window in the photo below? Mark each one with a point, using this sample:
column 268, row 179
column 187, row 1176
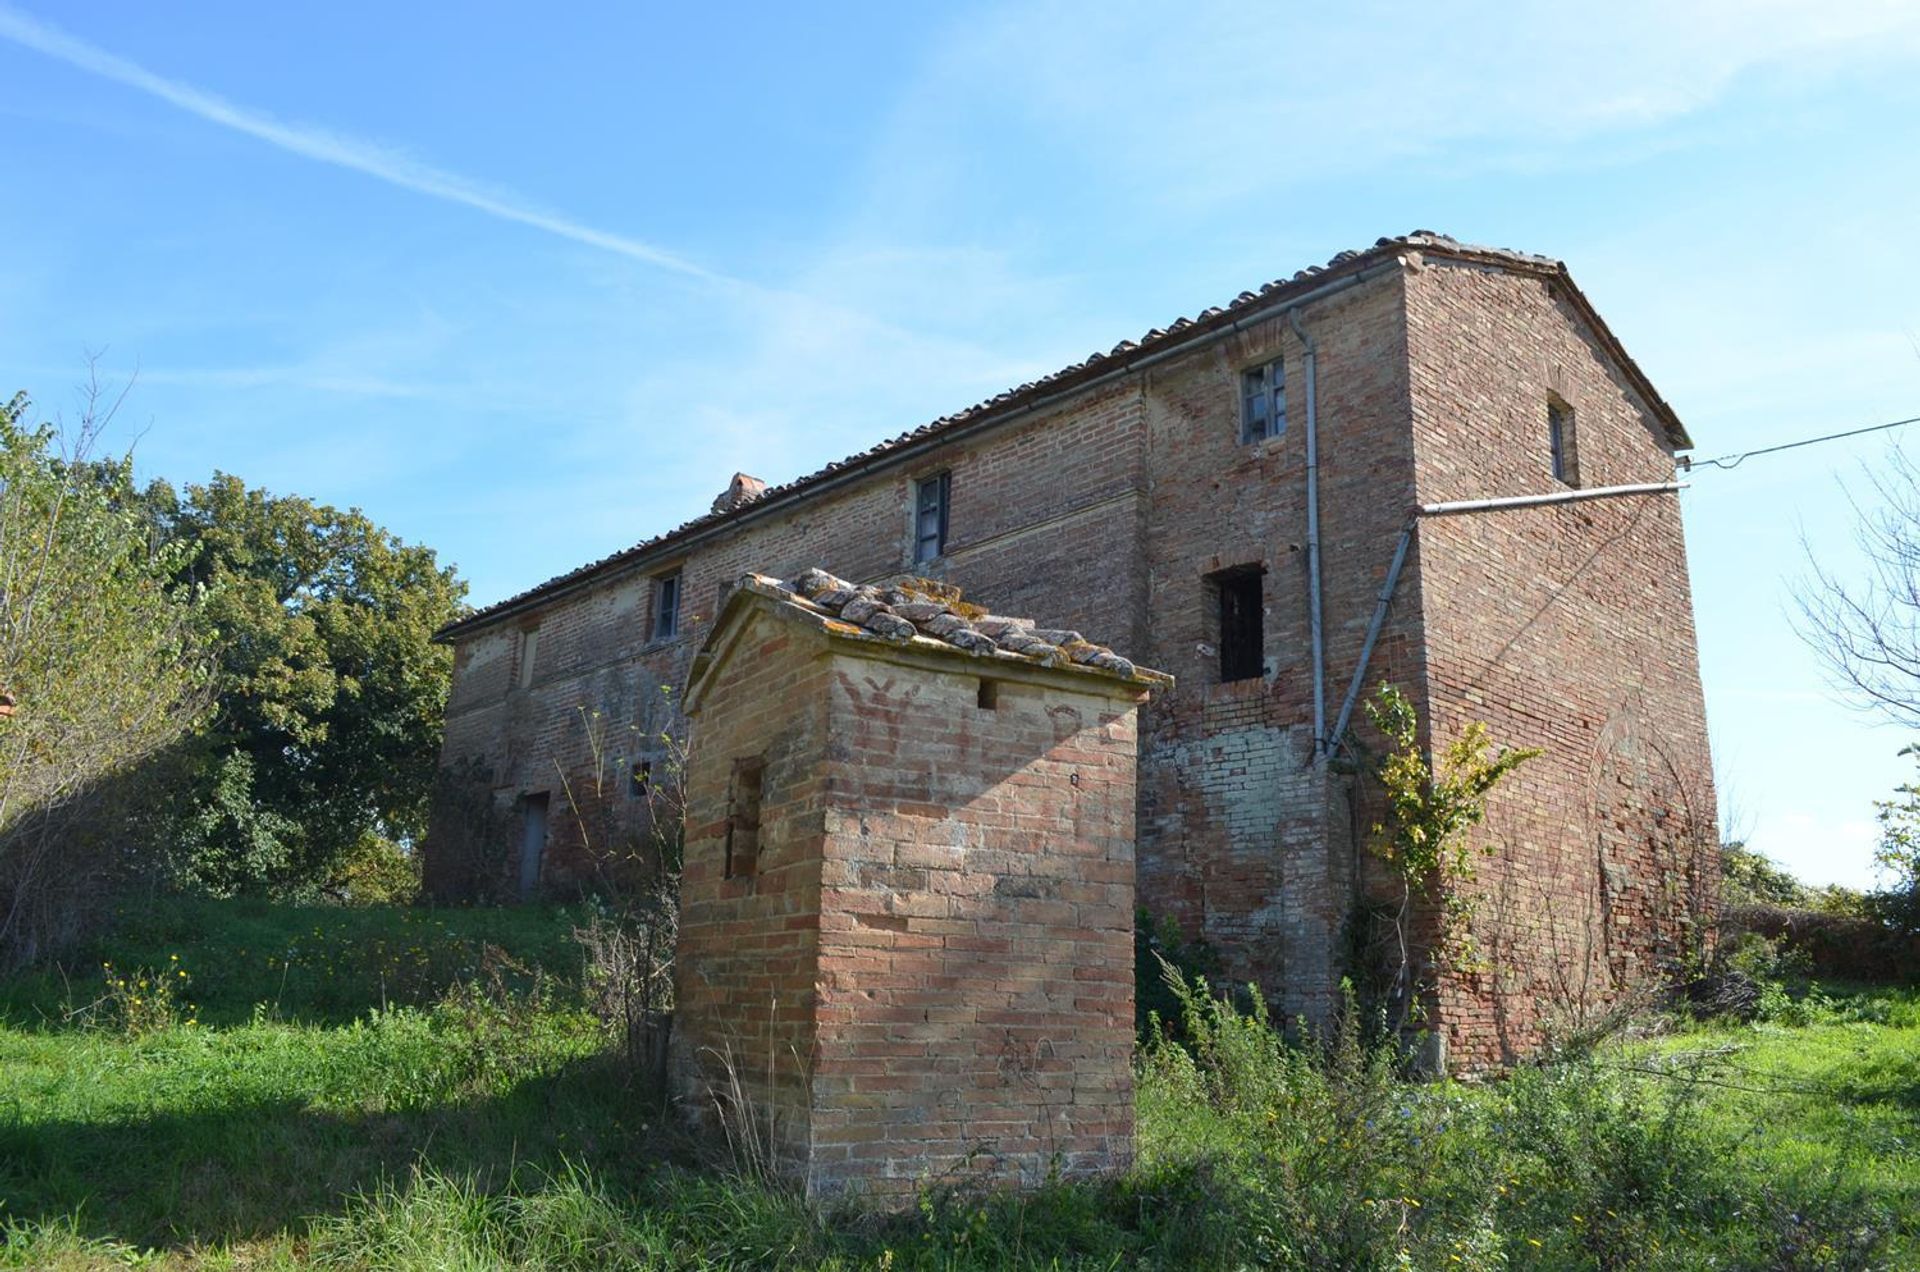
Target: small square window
column 1239, row 594
column 666, row 606
column 1263, row 401
column 743, row 818
column 930, row 497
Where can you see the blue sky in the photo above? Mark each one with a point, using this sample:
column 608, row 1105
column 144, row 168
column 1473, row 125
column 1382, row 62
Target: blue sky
column 528, row 283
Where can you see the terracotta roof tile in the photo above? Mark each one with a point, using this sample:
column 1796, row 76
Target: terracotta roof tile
column 907, row 609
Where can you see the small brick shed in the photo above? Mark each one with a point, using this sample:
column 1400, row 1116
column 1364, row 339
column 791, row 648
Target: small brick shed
column 907, row 905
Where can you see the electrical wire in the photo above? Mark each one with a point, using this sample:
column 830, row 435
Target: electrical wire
column 1734, row 461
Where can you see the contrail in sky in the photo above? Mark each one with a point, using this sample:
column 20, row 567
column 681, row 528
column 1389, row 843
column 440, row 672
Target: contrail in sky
column 353, row 153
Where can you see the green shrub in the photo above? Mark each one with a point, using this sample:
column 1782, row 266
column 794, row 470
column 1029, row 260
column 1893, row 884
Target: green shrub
column 1158, row 942
column 104, row 677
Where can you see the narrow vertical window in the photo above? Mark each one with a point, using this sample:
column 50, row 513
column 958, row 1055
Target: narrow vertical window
column 1560, row 451
column 743, row 818
column 529, row 650
column 1263, row 401
column 666, row 606
column 1242, row 623
column 988, row 696
column 930, row 516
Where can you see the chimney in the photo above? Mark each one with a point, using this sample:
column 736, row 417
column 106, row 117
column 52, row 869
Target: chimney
column 741, row 490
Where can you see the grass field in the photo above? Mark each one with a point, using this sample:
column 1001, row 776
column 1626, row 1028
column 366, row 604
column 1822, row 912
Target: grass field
column 421, row 1089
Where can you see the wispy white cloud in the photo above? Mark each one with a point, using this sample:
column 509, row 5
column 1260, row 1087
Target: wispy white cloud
column 1235, row 100
column 383, row 163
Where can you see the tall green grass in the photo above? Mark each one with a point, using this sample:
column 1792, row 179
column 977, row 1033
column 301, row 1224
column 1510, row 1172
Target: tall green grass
column 477, row 1121
column 326, row 964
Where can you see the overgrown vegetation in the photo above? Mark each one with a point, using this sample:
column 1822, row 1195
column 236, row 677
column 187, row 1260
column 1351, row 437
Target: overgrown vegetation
column 334, row 1108
column 102, row 667
column 1431, row 803
column 218, row 690
column 1827, row 931
column 226, row 1077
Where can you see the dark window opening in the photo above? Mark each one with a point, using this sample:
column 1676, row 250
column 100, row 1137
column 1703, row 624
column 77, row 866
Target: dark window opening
column 666, row 606
column 1560, row 442
column 640, row 777
column 930, row 516
column 989, row 696
column 1263, row 401
column 1242, row 623
column 743, row 818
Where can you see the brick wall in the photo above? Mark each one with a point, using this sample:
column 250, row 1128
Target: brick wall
column 745, row 973
column 933, row 962
column 976, row 946
column 1044, row 519
column 1108, row 510
column 1568, row 628
column 1244, row 840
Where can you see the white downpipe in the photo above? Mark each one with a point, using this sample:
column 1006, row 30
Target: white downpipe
column 1557, row 497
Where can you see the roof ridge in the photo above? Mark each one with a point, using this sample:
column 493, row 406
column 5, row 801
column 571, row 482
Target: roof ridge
column 1212, row 316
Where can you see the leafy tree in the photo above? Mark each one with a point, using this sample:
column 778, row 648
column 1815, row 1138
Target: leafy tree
column 1748, row 877
column 330, row 689
column 101, row 661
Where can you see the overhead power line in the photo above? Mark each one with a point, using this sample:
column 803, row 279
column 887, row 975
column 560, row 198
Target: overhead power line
column 1734, row 461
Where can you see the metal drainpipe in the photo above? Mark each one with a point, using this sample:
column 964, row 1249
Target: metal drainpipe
column 1313, row 539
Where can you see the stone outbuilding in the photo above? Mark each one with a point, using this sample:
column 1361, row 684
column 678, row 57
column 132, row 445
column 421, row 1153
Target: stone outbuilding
column 906, row 939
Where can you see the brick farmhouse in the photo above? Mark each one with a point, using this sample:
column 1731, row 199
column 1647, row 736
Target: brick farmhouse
column 1283, row 502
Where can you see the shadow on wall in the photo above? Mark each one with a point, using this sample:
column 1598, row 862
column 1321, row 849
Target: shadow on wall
column 610, row 828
